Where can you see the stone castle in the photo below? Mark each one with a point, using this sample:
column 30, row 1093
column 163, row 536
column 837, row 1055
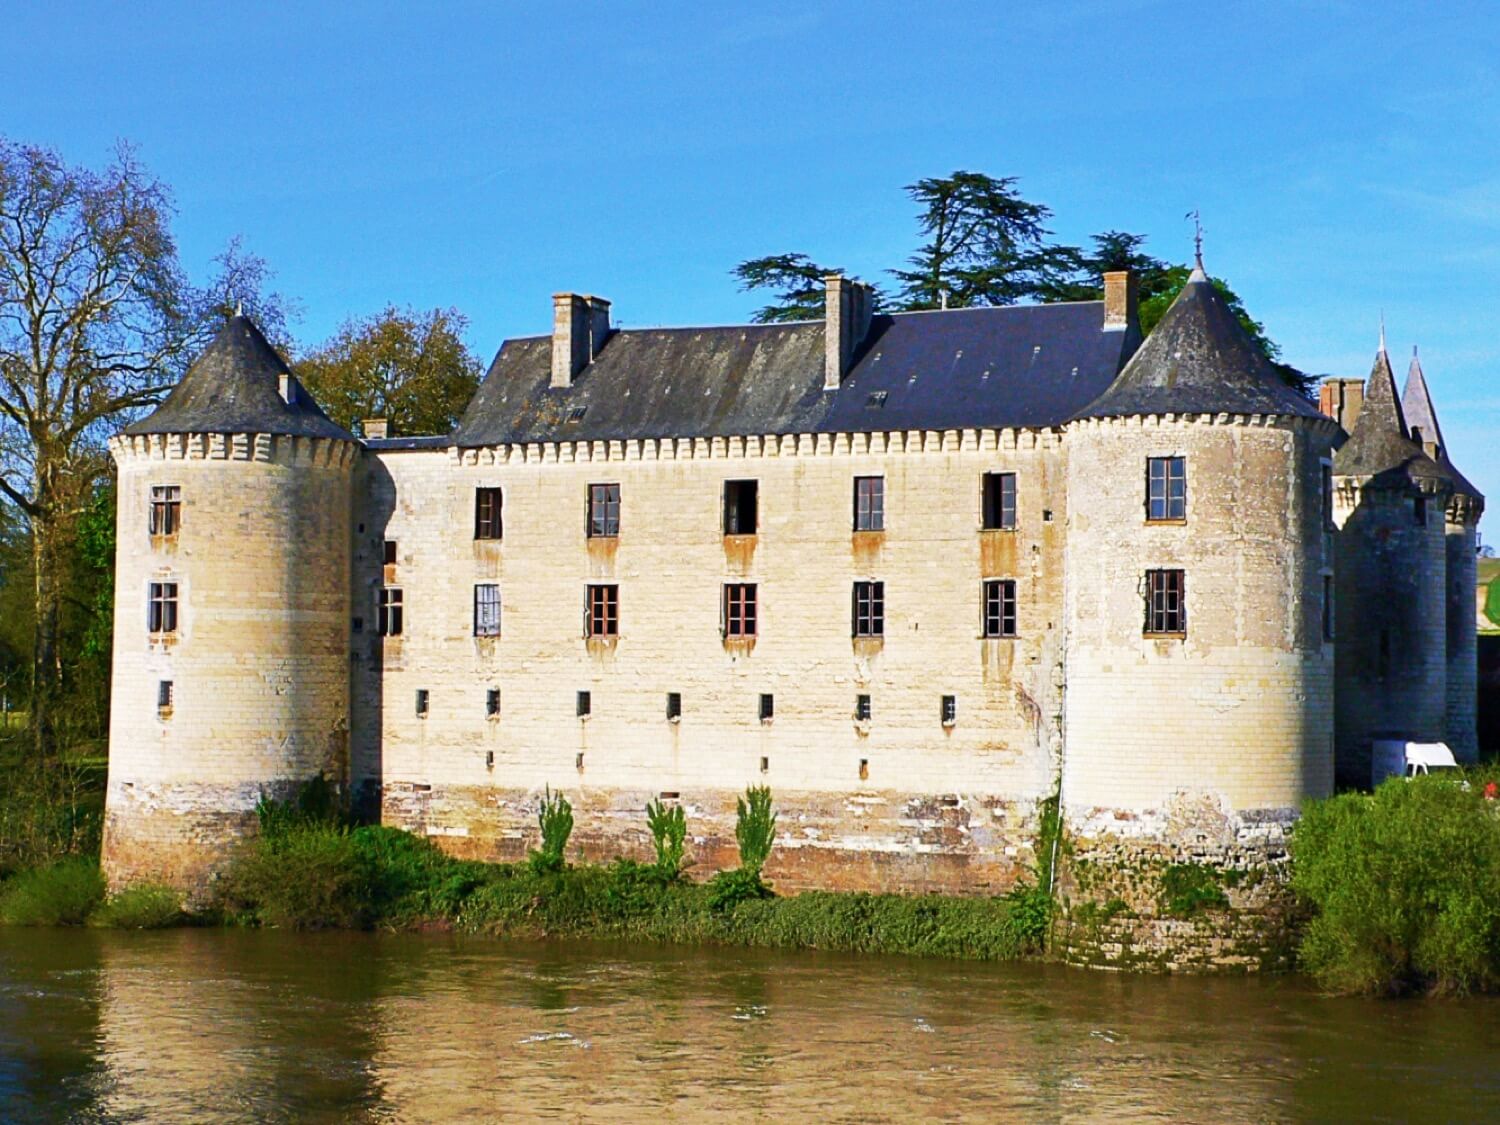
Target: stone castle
column 919, row 573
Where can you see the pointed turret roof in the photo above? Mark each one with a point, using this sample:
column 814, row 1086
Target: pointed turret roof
column 1422, row 424
column 234, row 387
column 1380, row 445
column 1199, row 360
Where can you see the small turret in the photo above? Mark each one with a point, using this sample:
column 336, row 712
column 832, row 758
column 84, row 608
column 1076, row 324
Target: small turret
column 231, row 653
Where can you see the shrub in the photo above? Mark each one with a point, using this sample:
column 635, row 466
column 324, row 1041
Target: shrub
column 727, row 889
column 64, row 893
column 755, row 827
column 146, row 906
column 555, row 818
column 668, row 832
column 1404, row 886
column 310, row 877
column 1029, row 915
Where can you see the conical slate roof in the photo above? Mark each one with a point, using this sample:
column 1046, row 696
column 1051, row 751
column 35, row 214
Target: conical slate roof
column 1199, row 360
column 234, row 387
column 1422, row 423
column 1379, row 446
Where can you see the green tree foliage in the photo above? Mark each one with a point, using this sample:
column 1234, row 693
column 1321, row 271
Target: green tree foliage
column 795, row 281
column 983, row 244
column 1405, row 888
column 1113, row 250
column 411, row 368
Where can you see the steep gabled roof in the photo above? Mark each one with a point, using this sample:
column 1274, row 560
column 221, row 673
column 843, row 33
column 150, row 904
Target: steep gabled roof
column 234, row 387
column 1199, row 360
column 1380, row 448
column 1422, row 423
column 1023, row 365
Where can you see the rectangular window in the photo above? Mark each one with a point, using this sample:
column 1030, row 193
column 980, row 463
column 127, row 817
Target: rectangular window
column 166, row 509
column 862, row 708
column 1166, row 603
column 950, row 710
column 999, row 501
column 388, row 557
column 869, row 609
column 604, row 511
column 164, row 697
column 1327, row 496
column 487, row 505
column 674, row 705
column 739, row 609
column 585, row 707
column 1166, row 488
column 1000, row 607
column 1419, row 511
column 603, row 617
column 1328, row 607
column 161, row 608
column 740, row 502
column 767, row 707
column 422, row 699
column 492, row 703
column 388, row 617
column 487, row 611
column 869, row 503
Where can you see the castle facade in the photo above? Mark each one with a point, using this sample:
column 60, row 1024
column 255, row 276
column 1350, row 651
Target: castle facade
column 919, row 573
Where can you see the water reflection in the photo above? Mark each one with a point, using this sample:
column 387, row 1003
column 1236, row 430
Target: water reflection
column 195, row 1025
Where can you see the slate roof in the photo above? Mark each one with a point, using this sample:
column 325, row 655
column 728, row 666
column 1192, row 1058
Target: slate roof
column 234, row 387
column 1199, row 360
column 1022, row 365
column 1421, row 418
column 1379, row 448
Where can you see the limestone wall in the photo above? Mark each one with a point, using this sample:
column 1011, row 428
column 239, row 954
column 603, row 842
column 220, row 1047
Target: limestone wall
column 259, row 660
column 1239, row 710
column 862, row 804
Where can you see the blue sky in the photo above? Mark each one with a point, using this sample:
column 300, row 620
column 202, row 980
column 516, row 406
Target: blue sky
column 1345, row 157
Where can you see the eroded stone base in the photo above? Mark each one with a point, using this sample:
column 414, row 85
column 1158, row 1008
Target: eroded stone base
column 1189, row 888
column 859, row 841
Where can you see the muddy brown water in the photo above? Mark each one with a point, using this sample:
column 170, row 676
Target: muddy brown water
column 211, row 1025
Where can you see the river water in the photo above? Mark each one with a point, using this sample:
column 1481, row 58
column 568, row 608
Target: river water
column 212, row 1025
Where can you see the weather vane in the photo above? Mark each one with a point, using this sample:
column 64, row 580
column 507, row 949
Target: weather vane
column 1197, row 236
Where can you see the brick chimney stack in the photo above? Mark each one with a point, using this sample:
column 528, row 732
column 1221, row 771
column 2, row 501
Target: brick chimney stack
column 1121, row 299
column 849, row 305
column 1340, row 399
column 580, row 326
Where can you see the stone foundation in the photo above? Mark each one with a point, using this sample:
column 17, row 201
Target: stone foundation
column 1190, row 888
column 859, row 841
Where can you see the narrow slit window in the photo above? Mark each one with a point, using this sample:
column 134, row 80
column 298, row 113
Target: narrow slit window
column 164, row 695
column 999, row 501
column 740, row 503
column 1166, row 488
column 1327, row 496
column 1000, row 607
column 869, row 609
column 604, row 511
column 486, row 610
column 487, row 513
column 1419, row 511
column 585, row 706
column 602, row 617
column 166, row 509
column 862, row 707
column 388, row 555
column 869, row 503
column 949, row 710
column 1166, row 603
column 390, row 617
column 767, row 707
column 740, row 609
column 422, row 702
column 1328, row 607
column 161, row 608
column 492, row 703
column 674, row 705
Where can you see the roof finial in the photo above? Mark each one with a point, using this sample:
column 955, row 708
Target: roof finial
column 1197, row 236
column 1382, row 330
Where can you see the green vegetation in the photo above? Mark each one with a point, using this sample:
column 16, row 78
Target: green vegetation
column 755, row 832
column 144, row 907
column 63, row 893
column 1404, row 888
column 668, row 826
column 555, row 819
column 1492, row 595
column 1188, row 888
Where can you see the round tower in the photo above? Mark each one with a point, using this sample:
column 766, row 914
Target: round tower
column 1199, row 707
column 231, row 643
column 1461, row 542
column 1392, row 585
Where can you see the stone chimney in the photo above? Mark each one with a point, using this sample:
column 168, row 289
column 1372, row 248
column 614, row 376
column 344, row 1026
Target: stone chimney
column 849, row 305
column 1122, row 298
column 375, row 428
column 1340, row 399
column 580, row 326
